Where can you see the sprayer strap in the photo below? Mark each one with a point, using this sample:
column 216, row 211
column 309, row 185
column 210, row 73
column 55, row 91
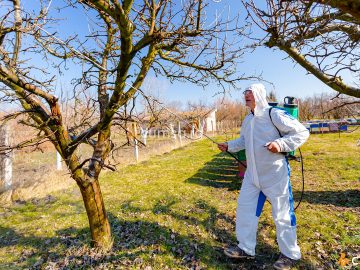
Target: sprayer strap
column 273, row 122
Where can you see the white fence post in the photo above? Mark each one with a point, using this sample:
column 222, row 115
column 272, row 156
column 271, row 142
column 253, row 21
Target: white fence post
column 136, row 147
column 201, row 128
column 58, row 161
column 192, row 134
column 179, row 133
column 5, row 159
column 172, row 131
column 144, row 134
column 136, row 150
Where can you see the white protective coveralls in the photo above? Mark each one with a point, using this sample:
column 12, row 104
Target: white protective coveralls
column 267, row 174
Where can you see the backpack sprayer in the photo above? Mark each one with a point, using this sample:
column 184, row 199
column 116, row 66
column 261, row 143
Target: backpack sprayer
column 291, row 106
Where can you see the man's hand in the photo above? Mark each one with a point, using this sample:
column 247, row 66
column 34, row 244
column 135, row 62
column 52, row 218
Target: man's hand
column 273, row 147
column 223, row 147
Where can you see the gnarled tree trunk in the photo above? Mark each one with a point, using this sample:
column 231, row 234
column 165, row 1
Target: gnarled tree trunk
column 98, row 220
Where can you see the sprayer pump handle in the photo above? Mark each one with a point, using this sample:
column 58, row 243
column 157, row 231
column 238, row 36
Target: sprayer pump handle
column 290, row 100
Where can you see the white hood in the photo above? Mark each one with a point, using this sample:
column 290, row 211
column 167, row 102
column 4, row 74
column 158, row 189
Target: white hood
column 259, row 92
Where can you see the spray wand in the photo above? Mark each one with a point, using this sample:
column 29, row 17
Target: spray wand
column 184, row 120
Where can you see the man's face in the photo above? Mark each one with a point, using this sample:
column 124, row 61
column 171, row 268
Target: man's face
column 249, row 99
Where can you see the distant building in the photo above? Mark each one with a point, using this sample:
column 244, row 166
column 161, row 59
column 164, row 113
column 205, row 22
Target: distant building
column 210, row 120
column 199, row 119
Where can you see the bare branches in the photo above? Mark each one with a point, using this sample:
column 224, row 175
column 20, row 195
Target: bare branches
column 347, row 6
column 334, row 82
column 342, row 105
column 327, row 106
column 322, row 36
column 24, row 144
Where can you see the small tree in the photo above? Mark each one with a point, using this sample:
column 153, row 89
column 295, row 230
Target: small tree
column 127, row 41
column 326, row 106
column 272, row 96
column 230, row 110
column 322, row 36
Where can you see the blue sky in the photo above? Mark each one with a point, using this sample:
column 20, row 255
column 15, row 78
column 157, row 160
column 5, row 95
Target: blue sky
column 288, row 79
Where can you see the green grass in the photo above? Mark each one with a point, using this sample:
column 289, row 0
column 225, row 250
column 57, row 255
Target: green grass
column 177, row 211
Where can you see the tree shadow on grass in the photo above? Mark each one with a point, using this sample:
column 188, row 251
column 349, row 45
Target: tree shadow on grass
column 136, row 240
column 220, row 172
column 344, row 198
column 35, row 251
column 220, row 230
column 137, row 244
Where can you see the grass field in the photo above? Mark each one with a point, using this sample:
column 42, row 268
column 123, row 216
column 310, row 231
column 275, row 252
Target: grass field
column 177, row 211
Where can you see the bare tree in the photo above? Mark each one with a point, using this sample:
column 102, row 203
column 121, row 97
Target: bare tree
column 128, row 40
column 322, row 36
column 325, row 106
column 306, row 109
column 230, row 110
column 272, row 96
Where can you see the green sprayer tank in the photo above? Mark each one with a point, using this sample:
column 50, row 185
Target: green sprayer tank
column 291, row 106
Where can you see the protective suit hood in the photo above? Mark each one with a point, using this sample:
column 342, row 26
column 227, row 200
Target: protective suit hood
column 259, row 92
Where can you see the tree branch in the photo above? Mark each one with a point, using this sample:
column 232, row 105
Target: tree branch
column 335, row 83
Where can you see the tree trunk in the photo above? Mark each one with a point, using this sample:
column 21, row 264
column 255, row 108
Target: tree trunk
column 98, row 220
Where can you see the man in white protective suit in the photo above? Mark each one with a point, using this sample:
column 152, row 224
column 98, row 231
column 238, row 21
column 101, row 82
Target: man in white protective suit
column 267, row 176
